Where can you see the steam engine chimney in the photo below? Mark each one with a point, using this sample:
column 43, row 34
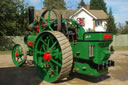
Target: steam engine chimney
column 31, row 14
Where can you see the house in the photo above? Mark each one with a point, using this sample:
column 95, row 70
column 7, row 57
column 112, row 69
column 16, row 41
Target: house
column 91, row 20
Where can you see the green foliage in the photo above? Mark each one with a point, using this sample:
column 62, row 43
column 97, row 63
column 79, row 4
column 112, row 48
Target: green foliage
column 56, row 4
column 81, row 4
column 125, row 30
column 6, row 43
column 111, row 27
column 98, row 5
column 13, row 17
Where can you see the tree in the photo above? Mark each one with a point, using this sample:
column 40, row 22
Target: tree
column 111, row 27
column 81, row 4
column 56, row 4
column 12, row 17
column 125, row 30
column 98, row 5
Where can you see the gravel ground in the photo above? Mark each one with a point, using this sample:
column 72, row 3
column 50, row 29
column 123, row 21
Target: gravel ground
column 27, row 75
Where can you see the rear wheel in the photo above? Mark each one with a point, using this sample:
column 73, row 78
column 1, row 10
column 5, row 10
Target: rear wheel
column 52, row 56
column 19, row 54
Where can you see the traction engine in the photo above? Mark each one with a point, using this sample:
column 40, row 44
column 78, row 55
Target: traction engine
column 61, row 46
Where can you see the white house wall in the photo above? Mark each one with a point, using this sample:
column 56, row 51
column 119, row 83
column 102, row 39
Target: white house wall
column 88, row 20
column 102, row 27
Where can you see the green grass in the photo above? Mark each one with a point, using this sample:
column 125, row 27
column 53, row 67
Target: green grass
column 5, row 51
column 121, row 48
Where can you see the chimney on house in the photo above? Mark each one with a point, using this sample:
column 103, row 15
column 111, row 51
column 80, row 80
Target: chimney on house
column 87, row 6
column 43, row 7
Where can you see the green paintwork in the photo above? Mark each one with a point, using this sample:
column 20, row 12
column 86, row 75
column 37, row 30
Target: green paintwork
column 81, row 51
column 95, row 36
column 48, row 70
column 31, row 38
column 46, row 42
column 89, row 70
column 18, row 61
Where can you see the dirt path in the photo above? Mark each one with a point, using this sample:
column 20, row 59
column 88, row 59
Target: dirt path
column 12, row 75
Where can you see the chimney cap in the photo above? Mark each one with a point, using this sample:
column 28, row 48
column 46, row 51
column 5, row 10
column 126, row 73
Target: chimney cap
column 32, row 7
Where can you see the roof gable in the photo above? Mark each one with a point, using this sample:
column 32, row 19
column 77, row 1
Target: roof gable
column 96, row 14
column 85, row 10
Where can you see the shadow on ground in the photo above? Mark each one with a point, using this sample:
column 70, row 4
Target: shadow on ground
column 28, row 76
column 19, row 76
column 86, row 78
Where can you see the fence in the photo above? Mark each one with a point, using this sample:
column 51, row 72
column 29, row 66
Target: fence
column 120, row 40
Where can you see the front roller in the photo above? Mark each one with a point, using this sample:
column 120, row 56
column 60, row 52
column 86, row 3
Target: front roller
column 19, row 54
column 52, row 56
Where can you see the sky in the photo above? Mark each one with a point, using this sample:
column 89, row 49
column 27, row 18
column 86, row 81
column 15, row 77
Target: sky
column 119, row 7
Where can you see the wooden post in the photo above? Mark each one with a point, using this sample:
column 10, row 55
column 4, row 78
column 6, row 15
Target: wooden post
column 94, row 25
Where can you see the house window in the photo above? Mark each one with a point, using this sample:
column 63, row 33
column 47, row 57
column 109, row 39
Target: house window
column 81, row 21
column 98, row 22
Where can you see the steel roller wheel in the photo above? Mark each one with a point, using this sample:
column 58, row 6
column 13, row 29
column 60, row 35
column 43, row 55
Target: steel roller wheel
column 49, row 22
column 52, row 56
column 19, row 55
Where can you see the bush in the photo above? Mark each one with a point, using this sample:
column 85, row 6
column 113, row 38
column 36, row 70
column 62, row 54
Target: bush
column 6, row 43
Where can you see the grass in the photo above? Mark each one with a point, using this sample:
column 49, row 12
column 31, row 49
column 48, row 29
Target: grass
column 5, row 51
column 121, row 48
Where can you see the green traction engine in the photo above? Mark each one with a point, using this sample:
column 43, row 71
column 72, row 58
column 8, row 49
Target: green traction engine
column 61, row 46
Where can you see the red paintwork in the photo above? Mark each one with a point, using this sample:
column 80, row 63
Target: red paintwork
column 30, row 27
column 37, row 28
column 107, row 36
column 47, row 56
column 81, row 21
column 16, row 54
column 30, row 43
